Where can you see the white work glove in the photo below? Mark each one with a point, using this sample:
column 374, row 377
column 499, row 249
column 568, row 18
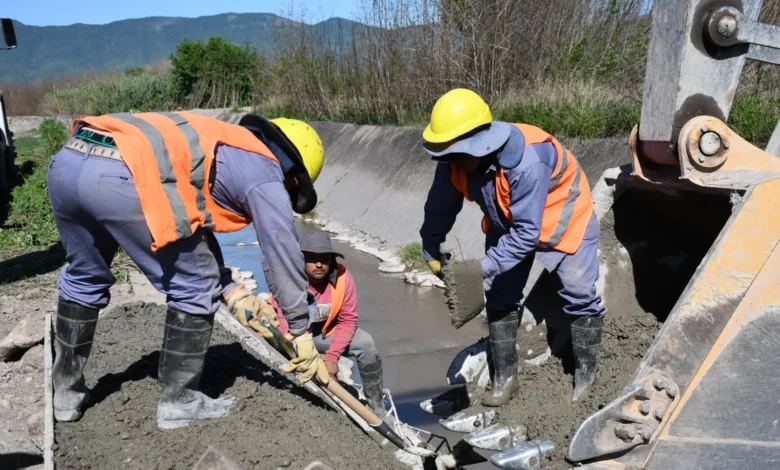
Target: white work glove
column 308, row 363
column 248, row 310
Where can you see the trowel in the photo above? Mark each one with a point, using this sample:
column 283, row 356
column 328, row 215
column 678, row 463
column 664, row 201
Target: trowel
column 463, row 290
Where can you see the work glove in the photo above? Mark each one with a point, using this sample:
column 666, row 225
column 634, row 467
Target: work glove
column 248, row 310
column 435, row 265
column 308, row 363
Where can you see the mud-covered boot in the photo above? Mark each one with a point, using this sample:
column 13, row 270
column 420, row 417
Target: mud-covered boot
column 585, row 342
column 182, row 356
column 371, row 376
column 503, row 335
column 72, row 345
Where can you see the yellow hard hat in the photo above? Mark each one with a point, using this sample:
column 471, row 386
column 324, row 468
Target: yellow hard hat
column 306, row 141
column 457, row 112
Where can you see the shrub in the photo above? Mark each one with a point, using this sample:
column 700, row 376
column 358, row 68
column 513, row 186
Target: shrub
column 53, row 134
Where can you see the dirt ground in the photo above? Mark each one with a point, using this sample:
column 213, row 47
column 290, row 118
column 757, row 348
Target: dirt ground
column 276, row 424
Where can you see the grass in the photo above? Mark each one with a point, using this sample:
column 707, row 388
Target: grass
column 412, row 255
column 30, row 221
column 104, row 94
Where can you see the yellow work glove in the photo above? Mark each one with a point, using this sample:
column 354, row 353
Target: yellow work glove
column 435, row 266
column 308, row 363
column 248, row 310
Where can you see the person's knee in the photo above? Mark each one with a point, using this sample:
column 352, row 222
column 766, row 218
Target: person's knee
column 195, row 303
column 88, row 294
column 364, row 347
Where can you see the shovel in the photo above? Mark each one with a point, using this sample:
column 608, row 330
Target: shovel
column 286, row 347
column 463, row 290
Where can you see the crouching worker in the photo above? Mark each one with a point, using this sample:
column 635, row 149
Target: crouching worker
column 335, row 326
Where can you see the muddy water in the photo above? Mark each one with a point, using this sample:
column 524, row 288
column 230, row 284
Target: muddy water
column 410, row 325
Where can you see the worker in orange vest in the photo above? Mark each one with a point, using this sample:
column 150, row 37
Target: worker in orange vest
column 536, row 204
column 158, row 185
column 335, row 325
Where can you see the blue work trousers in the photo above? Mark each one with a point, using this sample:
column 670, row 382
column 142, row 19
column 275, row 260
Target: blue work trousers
column 97, row 210
column 578, row 273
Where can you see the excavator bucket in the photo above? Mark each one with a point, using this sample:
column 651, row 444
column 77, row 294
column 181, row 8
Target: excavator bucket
column 706, row 394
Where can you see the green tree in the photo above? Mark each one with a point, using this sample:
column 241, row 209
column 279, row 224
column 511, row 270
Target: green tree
column 214, row 74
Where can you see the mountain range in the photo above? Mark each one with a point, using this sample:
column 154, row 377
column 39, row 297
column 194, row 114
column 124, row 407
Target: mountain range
column 46, row 51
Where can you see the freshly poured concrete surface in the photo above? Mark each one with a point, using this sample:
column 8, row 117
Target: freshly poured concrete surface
column 276, row 424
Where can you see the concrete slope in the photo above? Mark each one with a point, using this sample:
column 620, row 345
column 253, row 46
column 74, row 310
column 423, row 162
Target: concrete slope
column 376, row 180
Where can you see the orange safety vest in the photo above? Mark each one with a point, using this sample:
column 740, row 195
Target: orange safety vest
column 336, row 301
column 569, row 205
column 170, row 156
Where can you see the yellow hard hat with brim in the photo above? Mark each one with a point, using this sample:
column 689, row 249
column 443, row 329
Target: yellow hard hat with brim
column 461, row 122
column 455, row 114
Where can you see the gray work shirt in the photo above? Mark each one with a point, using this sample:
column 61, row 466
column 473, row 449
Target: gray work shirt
column 253, row 186
column 507, row 243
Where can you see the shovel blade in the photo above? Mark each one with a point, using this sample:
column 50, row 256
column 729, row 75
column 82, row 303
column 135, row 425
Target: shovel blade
column 463, row 291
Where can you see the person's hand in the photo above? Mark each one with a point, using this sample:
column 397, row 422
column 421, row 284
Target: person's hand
column 308, row 363
column 333, row 368
column 435, row 266
column 244, row 306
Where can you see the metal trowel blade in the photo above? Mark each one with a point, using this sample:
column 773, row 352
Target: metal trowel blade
column 463, row 291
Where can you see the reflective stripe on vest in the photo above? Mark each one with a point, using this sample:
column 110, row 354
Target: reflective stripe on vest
column 170, row 156
column 336, row 301
column 197, row 171
column 569, row 205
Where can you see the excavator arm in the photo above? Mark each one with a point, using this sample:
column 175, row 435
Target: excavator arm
column 705, row 395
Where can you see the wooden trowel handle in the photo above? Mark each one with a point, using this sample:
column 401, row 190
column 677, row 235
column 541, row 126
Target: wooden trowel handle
column 284, row 345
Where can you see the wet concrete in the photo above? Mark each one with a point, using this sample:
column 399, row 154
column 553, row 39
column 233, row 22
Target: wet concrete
column 275, row 425
column 463, row 290
column 410, row 324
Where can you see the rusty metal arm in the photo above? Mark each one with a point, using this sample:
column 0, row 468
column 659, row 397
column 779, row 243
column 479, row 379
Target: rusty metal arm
column 728, row 26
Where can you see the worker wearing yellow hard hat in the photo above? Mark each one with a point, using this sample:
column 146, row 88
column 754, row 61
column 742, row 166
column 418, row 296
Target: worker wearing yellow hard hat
column 158, row 185
column 536, row 204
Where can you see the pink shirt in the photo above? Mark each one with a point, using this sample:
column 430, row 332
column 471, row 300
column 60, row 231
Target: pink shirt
column 346, row 321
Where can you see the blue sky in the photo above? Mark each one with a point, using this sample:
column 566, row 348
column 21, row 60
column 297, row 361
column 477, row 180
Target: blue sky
column 59, row 12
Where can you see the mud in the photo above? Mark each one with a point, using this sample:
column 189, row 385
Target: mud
column 463, row 290
column 275, row 425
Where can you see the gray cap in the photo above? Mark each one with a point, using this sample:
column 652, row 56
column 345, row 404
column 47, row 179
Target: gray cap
column 478, row 143
column 317, row 241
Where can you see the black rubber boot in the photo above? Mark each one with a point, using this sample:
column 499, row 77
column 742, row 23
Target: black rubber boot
column 371, row 376
column 182, row 356
column 72, row 345
column 585, row 342
column 503, row 335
